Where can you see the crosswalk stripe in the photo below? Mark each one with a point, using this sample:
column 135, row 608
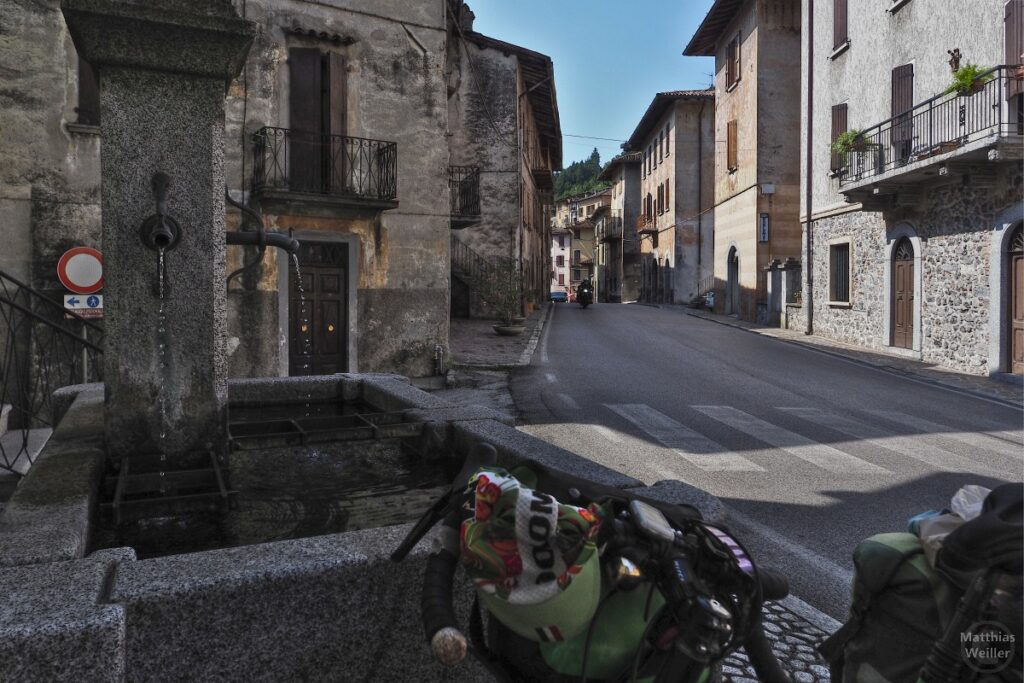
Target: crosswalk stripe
column 869, row 434
column 693, row 447
column 817, row 454
column 973, row 439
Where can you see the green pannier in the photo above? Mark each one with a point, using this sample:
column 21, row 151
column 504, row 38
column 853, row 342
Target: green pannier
column 900, row 607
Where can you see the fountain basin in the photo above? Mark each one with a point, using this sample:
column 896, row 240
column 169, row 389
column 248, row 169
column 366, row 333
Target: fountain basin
column 321, row 607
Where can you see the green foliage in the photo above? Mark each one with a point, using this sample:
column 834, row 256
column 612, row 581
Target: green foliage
column 580, row 177
column 502, row 290
column 965, row 77
column 846, row 142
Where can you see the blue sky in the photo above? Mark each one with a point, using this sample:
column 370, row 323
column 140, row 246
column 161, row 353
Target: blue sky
column 611, row 57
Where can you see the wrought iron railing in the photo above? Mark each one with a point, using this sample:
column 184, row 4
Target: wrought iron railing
column 43, row 347
column 333, row 165
column 645, row 223
column 936, row 126
column 464, row 187
column 610, row 228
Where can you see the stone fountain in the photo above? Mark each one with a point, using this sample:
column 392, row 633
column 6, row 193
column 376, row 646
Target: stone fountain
column 324, row 607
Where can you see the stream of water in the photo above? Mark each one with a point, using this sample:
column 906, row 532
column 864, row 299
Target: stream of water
column 304, row 329
column 162, row 359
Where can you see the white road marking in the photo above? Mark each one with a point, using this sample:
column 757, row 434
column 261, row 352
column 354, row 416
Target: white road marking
column 972, row 439
column 869, row 434
column 550, row 376
column 569, row 401
column 817, row 454
column 693, row 447
column 823, row 565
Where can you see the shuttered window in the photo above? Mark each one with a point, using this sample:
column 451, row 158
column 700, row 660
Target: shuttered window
column 668, row 137
column 666, row 197
column 732, row 153
column 839, row 272
column 839, row 23
column 732, row 67
column 902, row 101
column 1014, row 28
column 317, row 109
column 839, row 126
column 88, row 108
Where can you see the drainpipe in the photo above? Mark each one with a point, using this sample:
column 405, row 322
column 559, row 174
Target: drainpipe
column 700, row 183
column 809, row 184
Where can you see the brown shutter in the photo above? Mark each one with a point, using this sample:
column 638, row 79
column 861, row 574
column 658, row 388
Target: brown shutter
column 731, row 151
column 739, row 62
column 1014, row 29
column 666, row 196
column 306, row 127
column 335, row 116
column 88, row 94
column 839, row 23
column 839, row 126
column 902, row 102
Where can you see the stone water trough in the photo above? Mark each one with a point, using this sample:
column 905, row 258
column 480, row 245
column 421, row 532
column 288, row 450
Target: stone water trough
column 325, row 607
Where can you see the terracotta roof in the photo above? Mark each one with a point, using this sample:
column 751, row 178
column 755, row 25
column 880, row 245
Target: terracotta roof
column 626, row 158
column 703, row 42
column 658, row 106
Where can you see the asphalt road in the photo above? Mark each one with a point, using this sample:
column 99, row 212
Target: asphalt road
column 809, row 453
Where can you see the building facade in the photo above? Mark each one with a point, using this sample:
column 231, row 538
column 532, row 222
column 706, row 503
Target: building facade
column 561, row 254
column 577, row 215
column 675, row 140
column 912, row 195
column 504, row 121
column 619, row 256
column 756, row 45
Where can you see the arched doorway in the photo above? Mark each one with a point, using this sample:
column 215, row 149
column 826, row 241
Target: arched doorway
column 1015, row 309
column 732, row 287
column 903, row 294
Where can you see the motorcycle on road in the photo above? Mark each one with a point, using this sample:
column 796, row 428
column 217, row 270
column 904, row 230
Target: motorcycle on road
column 585, row 295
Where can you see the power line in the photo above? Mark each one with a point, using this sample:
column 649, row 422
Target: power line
column 590, row 137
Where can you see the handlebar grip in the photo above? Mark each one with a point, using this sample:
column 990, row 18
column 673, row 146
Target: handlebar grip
column 448, row 643
column 774, row 584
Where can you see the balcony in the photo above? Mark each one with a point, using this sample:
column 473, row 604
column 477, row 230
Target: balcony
column 327, row 169
column 609, row 229
column 646, row 225
column 464, row 191
column 946, row 136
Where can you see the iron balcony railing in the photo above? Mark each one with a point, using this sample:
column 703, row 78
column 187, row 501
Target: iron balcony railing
column 936, row 126
column 645, row 223
column 332, row 165
column 43, row 347
column 464, row 188
column 610, row 228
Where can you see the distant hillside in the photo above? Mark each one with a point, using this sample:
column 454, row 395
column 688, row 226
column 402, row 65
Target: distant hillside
column 580, row 177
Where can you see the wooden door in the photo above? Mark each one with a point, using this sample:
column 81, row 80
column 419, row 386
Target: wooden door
column 903, row 295
column 319, row 329
column 1016, row 308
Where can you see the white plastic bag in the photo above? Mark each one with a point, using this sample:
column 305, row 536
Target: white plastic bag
column 967, row 502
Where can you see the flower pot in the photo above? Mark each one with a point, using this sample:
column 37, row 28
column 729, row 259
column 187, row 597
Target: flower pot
column 509, row 330
column 517, row 320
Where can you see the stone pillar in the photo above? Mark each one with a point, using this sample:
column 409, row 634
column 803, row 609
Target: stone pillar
column 163, row 67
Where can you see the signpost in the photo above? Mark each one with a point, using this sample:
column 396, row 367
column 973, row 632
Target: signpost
column 80, row 270
column 762, row 232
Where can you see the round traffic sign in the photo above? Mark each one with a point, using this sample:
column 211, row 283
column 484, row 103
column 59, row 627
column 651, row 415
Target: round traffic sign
column 80, row 270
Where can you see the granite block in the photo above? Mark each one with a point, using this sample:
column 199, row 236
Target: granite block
column 514, row 446
column 83, row 420
column 55, row 627
column 458, row 414
column 388, row 393
column 61, row 400
column 285, row 390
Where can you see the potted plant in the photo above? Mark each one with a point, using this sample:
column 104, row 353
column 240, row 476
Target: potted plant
column 502, row 291
column 849, row 141
column 968, row 80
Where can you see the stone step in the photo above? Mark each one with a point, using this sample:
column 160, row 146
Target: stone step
column 12, row 443
column 5, row 410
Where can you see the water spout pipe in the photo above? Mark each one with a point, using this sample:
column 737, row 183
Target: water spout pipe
column 256, row 238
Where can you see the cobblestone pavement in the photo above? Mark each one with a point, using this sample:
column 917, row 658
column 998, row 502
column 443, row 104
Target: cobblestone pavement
column 482, row 362
column 990, row 388
column 794, row 630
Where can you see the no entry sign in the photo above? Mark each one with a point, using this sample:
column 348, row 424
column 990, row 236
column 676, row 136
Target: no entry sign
column 80, row 270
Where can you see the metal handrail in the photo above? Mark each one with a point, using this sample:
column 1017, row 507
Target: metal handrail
column 43, row 299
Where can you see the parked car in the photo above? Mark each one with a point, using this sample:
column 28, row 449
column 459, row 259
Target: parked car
column 558, row 297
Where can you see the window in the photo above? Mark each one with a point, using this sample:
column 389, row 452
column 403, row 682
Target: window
column 576, row 274
column 661, row 145
column 839, row 272
column 668, row 140
column 560, row 261
column 88, row 108
column 839, row 32
column 902, row 130
column 838, row 128
column 576, row 256
column 561, row 278
column 666, row 197
column 732, row 62
column 661, row 200
column 732, row 153
column 317, row 106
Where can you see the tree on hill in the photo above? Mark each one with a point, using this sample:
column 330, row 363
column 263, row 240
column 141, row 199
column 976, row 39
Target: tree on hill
column 580, row 177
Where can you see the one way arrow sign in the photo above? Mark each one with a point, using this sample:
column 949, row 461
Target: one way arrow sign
column 84, row 306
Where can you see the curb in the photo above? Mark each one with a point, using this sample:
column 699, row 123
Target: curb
column 868, row 364
column 524, row 357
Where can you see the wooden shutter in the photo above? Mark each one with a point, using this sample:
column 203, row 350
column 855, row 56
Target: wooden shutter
column 739, row 63
column 666, row 196
column 731, row 62
column 306, row 113
column 902, row 102
column 839, row 23
column 88, row 94
column 839, row 126
column 731, row 151
column 335, row 117
column 1013, row 18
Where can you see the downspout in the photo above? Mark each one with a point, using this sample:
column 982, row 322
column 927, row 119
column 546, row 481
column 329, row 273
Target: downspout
column 808, row 181
column 700, row 184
